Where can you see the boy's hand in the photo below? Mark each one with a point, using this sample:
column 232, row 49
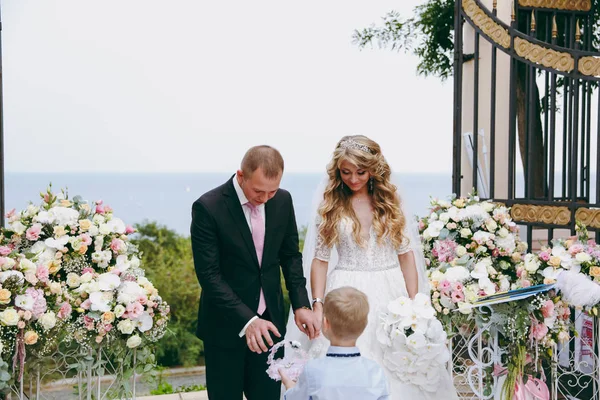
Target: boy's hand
column 287, row 382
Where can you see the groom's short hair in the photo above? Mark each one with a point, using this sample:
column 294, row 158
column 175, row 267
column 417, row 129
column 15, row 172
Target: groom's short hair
column 267, row 158
column 347, row 310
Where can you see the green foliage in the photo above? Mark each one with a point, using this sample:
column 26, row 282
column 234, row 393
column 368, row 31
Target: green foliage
column 167, row 259
column 429, row 34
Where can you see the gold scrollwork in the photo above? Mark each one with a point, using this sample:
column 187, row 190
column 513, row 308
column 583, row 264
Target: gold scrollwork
column 571, row 5
column 589, row 66
column 556, row 215
column 487, row 25
column 588, row 216
column 547, row 57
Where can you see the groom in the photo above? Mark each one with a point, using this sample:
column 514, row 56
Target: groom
column 242, row 233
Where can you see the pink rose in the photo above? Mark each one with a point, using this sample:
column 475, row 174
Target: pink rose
column 33, row 233
column 42, row 273
column 134, row 310
column 88, row 322
column 31, row 278
column 117, row 245
column 65, row 311
column 108, row 327
column 544, row 256
column 548, row 309
column 143, row 300
column 107, row 209
column 86, row 304
column 87, row 270
column 5, row 250
column 519, row 272
column 129, row 229
column 99, row 209
column 421, row 225
column 576, row 248
column 86, row 239
column 21, row 324
column 11, row 213
column 525, row 283
column 457, row 286
column 538, row 331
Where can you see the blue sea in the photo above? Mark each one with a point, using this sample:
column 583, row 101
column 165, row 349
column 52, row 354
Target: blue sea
column 167, row 198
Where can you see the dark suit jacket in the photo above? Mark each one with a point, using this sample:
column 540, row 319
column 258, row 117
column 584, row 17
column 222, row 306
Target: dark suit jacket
column 227, row 266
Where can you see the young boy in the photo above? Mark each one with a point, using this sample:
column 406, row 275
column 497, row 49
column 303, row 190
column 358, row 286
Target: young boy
column 343, row 374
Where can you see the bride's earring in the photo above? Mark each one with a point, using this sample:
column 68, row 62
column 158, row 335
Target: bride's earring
column 371, row 184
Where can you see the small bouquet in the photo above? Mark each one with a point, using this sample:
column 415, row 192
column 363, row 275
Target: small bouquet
column 414, row 342
column 292, row 362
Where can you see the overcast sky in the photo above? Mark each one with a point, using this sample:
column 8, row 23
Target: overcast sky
column 186, row 86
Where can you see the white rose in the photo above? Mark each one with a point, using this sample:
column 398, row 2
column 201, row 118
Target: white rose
column 98, row 219
column 532, row 263
column 55, row 288
column 437, row 276
column 18, row 228
column 48, row 320
column 433, row 217
column 31, row 210
column 98, row 243
column 27, row 266
column 134, row 262
column 126, row 326
column 465, row 233
column 503, row 232
column 487, row 206
column 93, row 231
column 87, row 277
column 134, row 341
column 105, row 229
column 460, row 251
column 491, row 225
column 73, row 280
column 9, row 263
column 9, row 317
column 583, row 257
column 116, row 225
column 444, row 217
column 119, row 311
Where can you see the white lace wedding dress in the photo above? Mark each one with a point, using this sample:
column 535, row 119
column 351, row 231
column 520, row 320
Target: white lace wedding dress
column 375, row 270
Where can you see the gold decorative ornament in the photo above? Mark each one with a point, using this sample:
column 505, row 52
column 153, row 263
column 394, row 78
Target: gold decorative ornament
column 492, row 29
column 588, row 216
column 547, row 57
column 570, row 5
column 556, row 215
column 589, row 66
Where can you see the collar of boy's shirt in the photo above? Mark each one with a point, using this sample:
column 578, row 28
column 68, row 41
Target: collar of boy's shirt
column 335, row 351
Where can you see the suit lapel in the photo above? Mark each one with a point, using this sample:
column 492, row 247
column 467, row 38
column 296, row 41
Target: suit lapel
column 269, row 226
column 237, row 213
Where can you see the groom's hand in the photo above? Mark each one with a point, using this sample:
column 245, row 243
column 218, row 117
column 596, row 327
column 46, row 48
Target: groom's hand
column 258, row 332
column 305, row 321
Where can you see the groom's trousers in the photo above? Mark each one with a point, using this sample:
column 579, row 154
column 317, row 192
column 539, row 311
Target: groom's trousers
column 231, row 372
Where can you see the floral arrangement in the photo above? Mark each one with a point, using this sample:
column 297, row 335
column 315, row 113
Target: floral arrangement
column 472, row 248
column 292, row 363
column 414, row 342
column 68, row 272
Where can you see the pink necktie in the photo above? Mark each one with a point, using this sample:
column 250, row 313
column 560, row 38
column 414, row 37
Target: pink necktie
column 258, row 237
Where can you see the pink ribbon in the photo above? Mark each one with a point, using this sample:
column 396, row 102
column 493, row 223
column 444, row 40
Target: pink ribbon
column 534, row 389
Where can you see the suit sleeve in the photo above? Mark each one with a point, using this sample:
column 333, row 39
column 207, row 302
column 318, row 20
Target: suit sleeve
column 291, row 262
column 205, row 249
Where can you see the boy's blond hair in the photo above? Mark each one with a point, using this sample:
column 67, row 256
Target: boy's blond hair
column 347, row 311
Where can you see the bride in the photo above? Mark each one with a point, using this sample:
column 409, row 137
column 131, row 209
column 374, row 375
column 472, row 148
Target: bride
column 357, row 212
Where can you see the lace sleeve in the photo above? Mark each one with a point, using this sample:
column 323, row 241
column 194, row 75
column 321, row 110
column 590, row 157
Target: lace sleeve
column 322, row 252
column 404, row 246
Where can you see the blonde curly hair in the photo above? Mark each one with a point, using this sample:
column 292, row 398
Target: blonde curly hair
column 388, row 219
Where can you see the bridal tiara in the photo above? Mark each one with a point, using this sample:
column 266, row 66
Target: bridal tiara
column 352, row 144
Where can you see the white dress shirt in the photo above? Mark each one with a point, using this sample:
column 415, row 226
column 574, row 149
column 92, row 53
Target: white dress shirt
column 342, row 375
column 246, row 209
